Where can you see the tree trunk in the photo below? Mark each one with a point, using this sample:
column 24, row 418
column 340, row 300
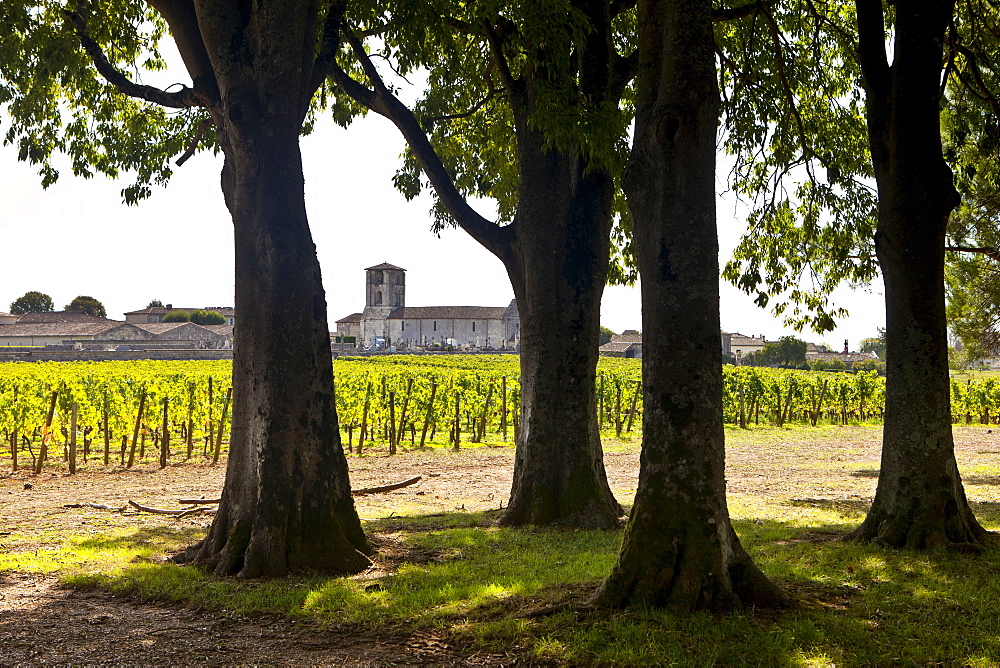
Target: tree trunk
column 286, row 504
column 920, row 502
column 679, row 550
column 558, row 266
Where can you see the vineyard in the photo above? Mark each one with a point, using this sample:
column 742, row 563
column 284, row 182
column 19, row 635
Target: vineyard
column 124, row 413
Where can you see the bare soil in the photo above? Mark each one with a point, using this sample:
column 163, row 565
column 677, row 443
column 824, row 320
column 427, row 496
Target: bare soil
column 41, row 623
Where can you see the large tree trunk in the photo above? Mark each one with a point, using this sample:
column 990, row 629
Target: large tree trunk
column 679, row 549
column 920, row 502
column 286, row 504
column 558, row 270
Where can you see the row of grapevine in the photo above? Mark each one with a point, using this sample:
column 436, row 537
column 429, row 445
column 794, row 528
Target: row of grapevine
column 147, row 411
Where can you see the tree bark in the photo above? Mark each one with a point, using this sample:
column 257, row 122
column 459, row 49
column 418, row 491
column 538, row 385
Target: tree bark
column 679, row 550
column 920, row 502
column 286, row 503
column 558, row 265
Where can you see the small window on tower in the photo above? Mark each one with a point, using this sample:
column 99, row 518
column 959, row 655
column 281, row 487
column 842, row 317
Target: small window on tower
column 378, row 298
column 435, row 325
column 473, row 325
column 402, row 326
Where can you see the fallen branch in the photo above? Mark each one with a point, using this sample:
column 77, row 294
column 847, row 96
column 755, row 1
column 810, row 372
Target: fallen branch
column 354, row 492
column 177, row 513
column 385, row 488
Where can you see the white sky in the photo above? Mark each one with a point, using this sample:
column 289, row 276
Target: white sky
column 78, row 238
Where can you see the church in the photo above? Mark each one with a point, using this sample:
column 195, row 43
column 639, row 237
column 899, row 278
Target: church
column 387, row 322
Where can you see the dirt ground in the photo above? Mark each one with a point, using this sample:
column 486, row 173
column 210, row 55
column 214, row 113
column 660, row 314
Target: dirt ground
column 41, row 623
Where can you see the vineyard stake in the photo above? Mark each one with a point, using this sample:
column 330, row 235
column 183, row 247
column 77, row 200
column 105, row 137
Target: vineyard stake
column 632, row 407
column 211, row 425
column 135, row 431
column 481, row 436
column 190, row 422
column 364, row 417
column 43, row 448
column 72, row 439
column 222, row 426
column 402, row 412
column 13, row 435
column 107, row 431
column 392, row 422
column 458, row 420
column 165, row 443
column 430, row 412
column 618, row 409
column 503, row 410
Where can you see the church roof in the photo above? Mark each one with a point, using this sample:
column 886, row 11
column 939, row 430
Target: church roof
column 385, row 265
column 354, row 317
column 448, row 312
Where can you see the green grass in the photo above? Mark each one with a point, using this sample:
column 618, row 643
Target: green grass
column 860, row 605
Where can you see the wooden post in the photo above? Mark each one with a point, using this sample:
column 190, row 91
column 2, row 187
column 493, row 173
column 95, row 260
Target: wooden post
column 13, row 434
column 481, row 434
column 392, row 422
column 222, row 426
column 743, row 415
column 135, row 430
column 124, row 448
column 600, row 404
column 72, row 438
column 503, row 409
column 430, row 412
column 43, row 448
column 402, row 412
column 517, row 422
column 364, row 417
column 107, row 431
column 618, row 409
column 633, row 405
column 211, row 425
column 165, row 442
column 190, row 422
column 458, row 420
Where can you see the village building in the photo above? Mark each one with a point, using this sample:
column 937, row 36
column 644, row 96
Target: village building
column 155, row 314
column 626, row 344
column 740, row 345
column 386, row 321
column 80, row 330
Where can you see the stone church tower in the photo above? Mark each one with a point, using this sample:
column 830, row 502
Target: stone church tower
column 385, row 290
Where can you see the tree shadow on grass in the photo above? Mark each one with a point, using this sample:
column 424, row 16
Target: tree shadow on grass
column 143, row 538
column 861, row 605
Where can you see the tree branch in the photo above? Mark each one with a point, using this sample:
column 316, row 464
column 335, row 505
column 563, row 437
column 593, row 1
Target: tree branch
column 185, row 98
column 329, row 45
column 383, row 102
column 193, row 144
column 992, row 253
column 465, row 114
column 731, row 13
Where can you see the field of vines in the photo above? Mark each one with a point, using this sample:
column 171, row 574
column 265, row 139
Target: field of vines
column 127, row 413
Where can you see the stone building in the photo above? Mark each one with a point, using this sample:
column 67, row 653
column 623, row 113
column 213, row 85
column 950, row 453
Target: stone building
column 386, row 321
column 154, row 314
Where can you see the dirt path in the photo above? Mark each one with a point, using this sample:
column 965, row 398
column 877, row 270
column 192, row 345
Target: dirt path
column 42, row 623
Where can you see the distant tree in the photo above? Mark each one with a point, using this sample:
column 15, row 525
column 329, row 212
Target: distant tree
column 875, row 345
column 32, row 302
column 787, row 351
column 155, row 303
column 206, row 317
column 88, row 305
column 177, row 316
column 605, row 336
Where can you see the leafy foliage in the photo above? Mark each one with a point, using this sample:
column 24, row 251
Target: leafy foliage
column 207, row 317
column 177, row 316
column 88, row 305
column 32, row 302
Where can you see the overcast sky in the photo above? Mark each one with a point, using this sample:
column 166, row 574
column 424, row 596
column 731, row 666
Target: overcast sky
column 77, row 238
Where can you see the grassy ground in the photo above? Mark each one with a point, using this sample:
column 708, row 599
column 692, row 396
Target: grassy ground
column 454, row 573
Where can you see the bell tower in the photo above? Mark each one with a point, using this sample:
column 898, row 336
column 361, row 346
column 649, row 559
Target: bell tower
column 385, row 286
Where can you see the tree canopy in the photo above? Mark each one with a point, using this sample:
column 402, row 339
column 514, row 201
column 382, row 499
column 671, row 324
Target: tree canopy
column 88, row 305
column 32, row 302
